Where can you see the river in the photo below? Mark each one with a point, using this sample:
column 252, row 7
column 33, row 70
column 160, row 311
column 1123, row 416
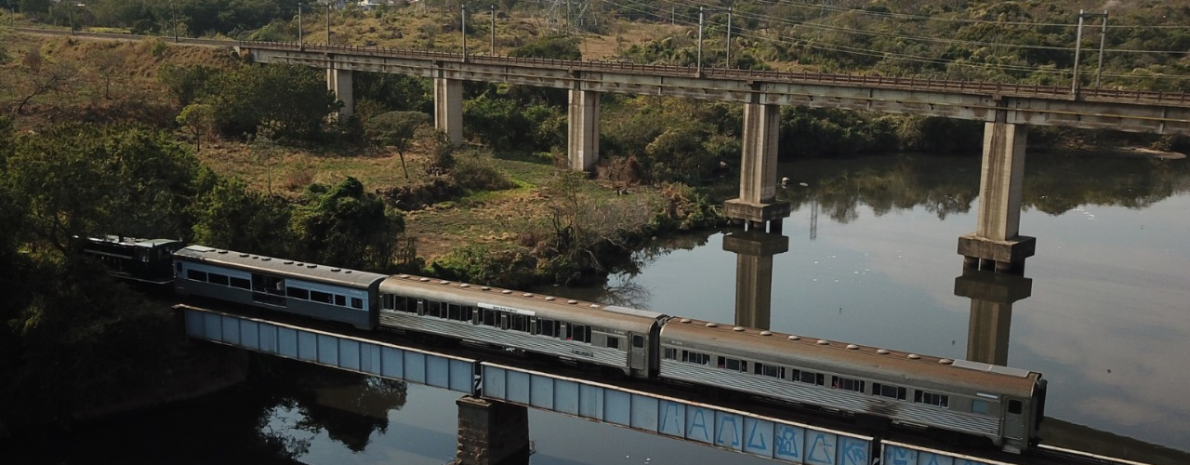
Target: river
column 871, row 259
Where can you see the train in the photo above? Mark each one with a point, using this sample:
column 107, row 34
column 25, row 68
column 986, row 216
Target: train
column 1002, row 404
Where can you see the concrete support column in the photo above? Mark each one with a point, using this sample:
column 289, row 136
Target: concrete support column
column 491, row 433
column 992, row 296
column 339, row 81
column 448, row 108
column 757, row 204
column 996, row 242
column 582, row 147
column 754, row 274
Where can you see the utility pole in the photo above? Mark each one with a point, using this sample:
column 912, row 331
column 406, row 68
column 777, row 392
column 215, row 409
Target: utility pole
column 173, row 15
column 1102, row 42
column 700, row 41
column 464, row 16
column 1078, row 42
column 301, row 45
column 328, row 23
column 729, row 37
column 493, row 46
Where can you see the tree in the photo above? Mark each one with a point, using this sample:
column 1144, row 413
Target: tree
column 293, row 100
column 78, row 180
column 110, row 66
column 199, row 119
column 185, row 83
column 42, row 78
column 396, row 128
column 344, row 226
column 230, row 216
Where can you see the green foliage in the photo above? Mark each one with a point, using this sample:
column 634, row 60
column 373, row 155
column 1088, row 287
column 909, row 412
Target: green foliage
column 292, row 100
column 556, row 47
column 496, row 120
column 185, row 83
column 344, row 226
column 475, row 171
column 230, row 216
column 395, row 128
column 394, row 92
column 80, row 180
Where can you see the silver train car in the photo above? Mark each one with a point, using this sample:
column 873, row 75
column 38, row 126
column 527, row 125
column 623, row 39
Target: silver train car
column 307, row 289
column 607, row 336
column 1002, row 404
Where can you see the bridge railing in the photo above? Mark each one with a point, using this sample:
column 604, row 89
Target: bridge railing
column 872, row 80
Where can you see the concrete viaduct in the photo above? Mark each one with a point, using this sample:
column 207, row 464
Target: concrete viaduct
column 1007, row 111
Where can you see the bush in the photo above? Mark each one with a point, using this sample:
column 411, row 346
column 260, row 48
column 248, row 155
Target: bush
column 476, row 172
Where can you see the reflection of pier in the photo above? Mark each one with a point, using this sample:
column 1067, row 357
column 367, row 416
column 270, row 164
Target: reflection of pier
column 992, row 295
column 754, row 274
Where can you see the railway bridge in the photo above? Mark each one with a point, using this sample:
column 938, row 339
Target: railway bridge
column 1007, row 111
column 492, row 412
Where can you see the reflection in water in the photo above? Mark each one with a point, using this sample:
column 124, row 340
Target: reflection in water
column 754, row 274
column 992, row 295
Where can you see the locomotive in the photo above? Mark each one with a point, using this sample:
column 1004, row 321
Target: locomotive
column 1004, row 405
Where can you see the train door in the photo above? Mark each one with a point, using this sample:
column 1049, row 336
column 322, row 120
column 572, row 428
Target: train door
column 268, row 289
column 638, row 355
column 1015, row 419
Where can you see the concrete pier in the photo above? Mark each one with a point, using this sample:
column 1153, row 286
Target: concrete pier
column 339, row 81
column 448, row 108
column 754, row 275
column 757, row 204
column 582, row 147
column 996, row 244
column 492, row 433
column 992, row 296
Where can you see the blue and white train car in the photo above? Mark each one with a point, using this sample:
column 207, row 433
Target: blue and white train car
column 1003, row 404
column 289, row 286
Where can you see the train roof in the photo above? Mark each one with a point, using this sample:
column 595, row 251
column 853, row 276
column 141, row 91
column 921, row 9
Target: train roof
column 278, row 266
column 126, row 241
column 609, row 316
column 895, row 366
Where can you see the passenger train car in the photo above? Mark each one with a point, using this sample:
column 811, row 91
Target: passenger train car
column 1002, row 404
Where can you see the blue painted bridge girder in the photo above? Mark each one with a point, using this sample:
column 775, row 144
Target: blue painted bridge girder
column 333, row 350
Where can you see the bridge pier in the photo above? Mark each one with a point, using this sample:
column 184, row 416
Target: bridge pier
column 757, row 205
column 582, row 147
column 448, row 108
column 491, row 433
column 995, row 244
column 339, row 81
column 992, row 296
column 754, row 274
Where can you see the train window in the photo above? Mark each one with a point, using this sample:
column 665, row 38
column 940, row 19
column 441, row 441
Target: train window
column 241, row 283
column 638, row 341
column 613, row 342
column 581, row 333
column 340, row 300
column 489, row 317
column 547, row 327
column 809, row 377
column 695, row 357
column 297, row 292
column 178, row 266
column 733, row 364
column 671, row 353
column 1014, row 407
column 434, row 309
column 839, row 382
column 884, row 390
column 979, row 406
column 518, row 323
column 357, row 303
column 770, row 370
column 922, row 397
column 319, row 296
column 217, row 279
column 196, row 275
